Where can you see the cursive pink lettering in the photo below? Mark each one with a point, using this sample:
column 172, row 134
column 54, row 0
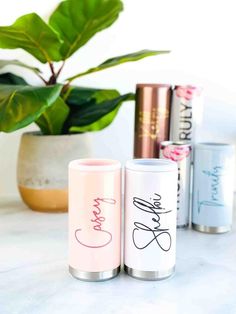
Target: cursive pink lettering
column 97, row 221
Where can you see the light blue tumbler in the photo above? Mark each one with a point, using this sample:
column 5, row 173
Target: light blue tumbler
column 213, row 187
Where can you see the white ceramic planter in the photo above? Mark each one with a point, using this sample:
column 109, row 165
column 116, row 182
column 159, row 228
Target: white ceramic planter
column 42, row 170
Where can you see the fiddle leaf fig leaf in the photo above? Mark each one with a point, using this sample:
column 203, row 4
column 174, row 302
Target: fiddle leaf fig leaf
column 92, row 113
column 98, row 125
column 78, row 96
column 21, row 105
column 4, row 63
column 11, row 79
column 54, row 109
column 78, row 21
column 135, row 56
column 52, row 119
column 32, row 34
column 96, row 112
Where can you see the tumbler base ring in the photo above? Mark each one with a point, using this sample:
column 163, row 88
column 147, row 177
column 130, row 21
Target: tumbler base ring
column 207, row 229
column 94, row 276
column 149, row 275
column 183, row 226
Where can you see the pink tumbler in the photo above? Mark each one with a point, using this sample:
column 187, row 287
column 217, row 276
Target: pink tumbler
column 94, row 219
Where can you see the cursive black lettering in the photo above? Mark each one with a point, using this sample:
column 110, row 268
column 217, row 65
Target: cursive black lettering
column 159, row 235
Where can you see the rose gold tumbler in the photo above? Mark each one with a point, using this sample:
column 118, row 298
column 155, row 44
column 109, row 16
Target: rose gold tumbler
column 152, row 119
column 94, row 219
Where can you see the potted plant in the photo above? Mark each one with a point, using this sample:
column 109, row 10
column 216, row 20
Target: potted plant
column 63, row 112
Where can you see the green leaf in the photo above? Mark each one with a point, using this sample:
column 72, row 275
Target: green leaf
column 78, row 96
column 4, row 63
column 92, row 113
column 12, row 79
column 98, row 125
column 77, row 21
column 107, row 112
column 119, row 60
column 52, row 119
column 21, row 105
column 96, row 112
column 32, row 34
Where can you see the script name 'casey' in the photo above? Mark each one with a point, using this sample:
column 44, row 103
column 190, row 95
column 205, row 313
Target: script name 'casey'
column 100, row 236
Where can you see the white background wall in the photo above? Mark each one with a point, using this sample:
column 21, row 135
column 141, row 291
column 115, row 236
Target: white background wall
column 201, row 36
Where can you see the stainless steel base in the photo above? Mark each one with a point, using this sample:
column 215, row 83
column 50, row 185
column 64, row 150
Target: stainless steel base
column 94, row 276
column 207, row 229
column 182, row 226
column 149, row 275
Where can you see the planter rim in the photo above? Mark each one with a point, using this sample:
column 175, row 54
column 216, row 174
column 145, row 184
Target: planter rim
column 39, row 134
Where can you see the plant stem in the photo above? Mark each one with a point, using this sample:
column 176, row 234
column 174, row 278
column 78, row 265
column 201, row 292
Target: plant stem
column 45, row 82
column 61, row 68
column 53, row 78
column 65, row 91
column 52, row 69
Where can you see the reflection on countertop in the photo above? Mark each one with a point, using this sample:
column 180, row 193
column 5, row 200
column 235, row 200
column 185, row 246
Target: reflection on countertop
column 34, row 275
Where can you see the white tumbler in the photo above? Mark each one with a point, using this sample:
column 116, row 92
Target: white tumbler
column 150, row 218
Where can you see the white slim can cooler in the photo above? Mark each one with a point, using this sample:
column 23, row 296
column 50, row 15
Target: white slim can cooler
column 186, row 113
column 180, row 152
column 213, row 187
column 150, row 218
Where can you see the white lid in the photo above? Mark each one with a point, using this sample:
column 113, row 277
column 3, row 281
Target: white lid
column 215, row 146
column 90, row 164
column 151, row 164
column 175, row 143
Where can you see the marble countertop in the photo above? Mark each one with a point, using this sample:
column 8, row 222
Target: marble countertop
column 34, row 274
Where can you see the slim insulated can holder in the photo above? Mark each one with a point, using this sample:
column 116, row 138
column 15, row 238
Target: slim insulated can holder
column 94, row 219
column 150, row 218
